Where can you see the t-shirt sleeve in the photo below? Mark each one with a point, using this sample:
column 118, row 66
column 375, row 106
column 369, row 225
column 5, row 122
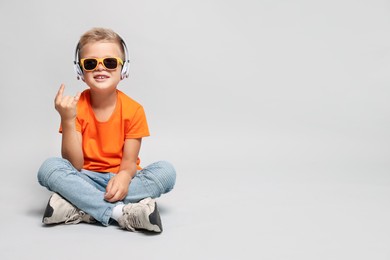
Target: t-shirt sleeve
column 137, row 126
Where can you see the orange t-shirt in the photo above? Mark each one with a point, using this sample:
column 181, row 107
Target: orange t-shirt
column 103, row 141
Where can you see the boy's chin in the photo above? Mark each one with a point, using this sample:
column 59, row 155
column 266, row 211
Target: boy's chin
column 102, row 87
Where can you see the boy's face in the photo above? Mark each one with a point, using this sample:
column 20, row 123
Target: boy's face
column 102, row 78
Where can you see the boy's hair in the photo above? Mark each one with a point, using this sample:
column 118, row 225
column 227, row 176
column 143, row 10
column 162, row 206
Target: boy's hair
column 98, row 34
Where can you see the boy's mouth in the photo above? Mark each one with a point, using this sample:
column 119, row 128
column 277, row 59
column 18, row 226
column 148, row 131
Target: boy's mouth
column 101, row 77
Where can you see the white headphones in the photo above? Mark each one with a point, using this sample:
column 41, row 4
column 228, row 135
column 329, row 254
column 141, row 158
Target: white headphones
column 79, row 70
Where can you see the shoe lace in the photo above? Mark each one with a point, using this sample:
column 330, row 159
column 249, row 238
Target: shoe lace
column 133, row 220
column 74, row 217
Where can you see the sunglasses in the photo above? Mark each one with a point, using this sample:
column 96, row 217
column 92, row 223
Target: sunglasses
column 90, row 64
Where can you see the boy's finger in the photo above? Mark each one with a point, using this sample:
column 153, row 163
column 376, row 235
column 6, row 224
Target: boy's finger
column 116, row 197
column 107, row 196
column 109, row 192
column 76, row 98
column 60, row 92
column 108, row 188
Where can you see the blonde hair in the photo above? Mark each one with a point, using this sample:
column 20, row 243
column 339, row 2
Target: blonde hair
column 98, row 34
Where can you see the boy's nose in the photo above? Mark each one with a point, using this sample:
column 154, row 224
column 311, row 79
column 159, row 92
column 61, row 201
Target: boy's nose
column 100, row 66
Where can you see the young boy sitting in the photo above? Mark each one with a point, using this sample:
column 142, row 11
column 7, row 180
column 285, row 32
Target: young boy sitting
column 99, row 177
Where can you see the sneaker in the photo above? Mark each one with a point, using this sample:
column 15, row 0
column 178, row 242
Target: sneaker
column 141, row 215
column 59, row 210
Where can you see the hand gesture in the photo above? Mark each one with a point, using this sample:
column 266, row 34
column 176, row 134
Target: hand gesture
column 66, row 105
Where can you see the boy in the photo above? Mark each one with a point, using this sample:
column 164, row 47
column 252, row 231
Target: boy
column 99, row 177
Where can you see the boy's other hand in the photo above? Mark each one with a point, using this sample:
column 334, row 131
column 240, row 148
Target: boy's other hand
column 117, row 187
column 66, row 105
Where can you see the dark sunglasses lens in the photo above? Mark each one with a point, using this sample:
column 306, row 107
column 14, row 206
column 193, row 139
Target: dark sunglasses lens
column 110, row 63
column 90, row 64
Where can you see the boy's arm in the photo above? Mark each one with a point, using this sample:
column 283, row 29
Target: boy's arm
column 71, row 148
column 118, row 186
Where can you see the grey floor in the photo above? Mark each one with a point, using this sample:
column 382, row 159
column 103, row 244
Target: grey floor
column 259, row 210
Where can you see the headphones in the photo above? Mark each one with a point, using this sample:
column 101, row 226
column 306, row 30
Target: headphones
column 79, row 70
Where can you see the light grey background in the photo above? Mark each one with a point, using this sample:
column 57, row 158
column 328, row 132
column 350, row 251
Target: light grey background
column 275, row 114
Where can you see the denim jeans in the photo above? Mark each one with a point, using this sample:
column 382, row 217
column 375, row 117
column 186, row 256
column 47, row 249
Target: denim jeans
column 86, row 189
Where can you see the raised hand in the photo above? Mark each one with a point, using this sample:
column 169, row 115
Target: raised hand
column 66, row 105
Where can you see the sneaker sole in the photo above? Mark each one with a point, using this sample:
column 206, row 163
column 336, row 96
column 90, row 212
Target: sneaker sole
column 154, row 219
column 48, row 211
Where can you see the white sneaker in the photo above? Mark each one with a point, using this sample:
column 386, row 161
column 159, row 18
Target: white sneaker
column 59, row 210
column 141, row 215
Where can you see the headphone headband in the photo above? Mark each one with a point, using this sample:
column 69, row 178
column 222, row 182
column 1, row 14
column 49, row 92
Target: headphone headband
column 125, row 66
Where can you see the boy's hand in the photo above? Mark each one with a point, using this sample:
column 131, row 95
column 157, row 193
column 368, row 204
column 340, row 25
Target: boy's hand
column 117, row 187
column 66, row 105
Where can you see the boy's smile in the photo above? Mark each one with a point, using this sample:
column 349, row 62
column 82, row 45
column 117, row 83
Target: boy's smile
column 101, row 77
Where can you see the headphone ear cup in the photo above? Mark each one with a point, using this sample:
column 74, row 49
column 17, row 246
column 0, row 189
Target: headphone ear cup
column 126, row 63
column 125, row 70
column 79, row 71
column 76, row 64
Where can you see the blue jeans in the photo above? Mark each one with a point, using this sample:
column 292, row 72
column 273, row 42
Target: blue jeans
column 86, row 189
